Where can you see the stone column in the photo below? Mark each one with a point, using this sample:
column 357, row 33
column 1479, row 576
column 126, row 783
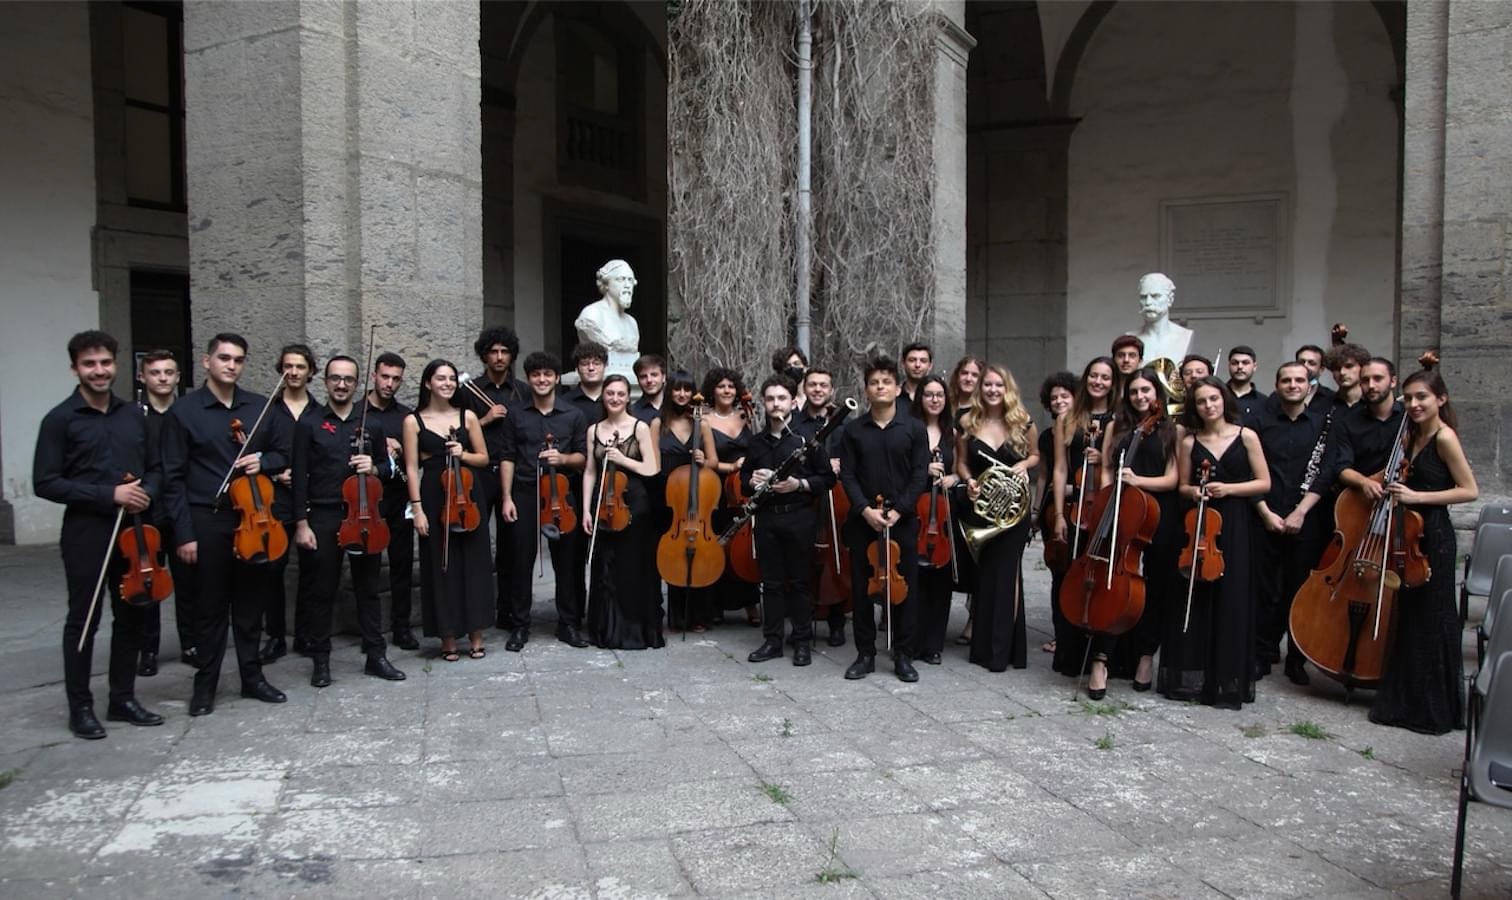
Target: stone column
column 954, row 46
column 334, row 176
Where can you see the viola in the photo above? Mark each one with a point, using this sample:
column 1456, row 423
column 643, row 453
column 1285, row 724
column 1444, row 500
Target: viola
column 556, row 517
column 741, row 550
column 1201, row 559
column 362, row 530
column 146, row 579
column 935, row 544
column 885, row 583
column 259, row 538
column 689, row 555
column 1103, row 590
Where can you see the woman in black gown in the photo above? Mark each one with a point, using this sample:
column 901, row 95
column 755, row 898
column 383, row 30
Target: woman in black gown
column 1420, row 687
column 935, row 588
column 964, row 379
column 722, row 389
column 456, row 569
column 1057, row 394
column 678, row 446
column 996, row 431
column 1211, row 658
column 624, row 613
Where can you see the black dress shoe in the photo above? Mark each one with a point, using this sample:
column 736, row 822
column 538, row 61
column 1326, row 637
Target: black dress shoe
column 133, row 712
column 518, row 638
column 273, row 649
column 320, row 675
column 82, row 722
column 379, row 666
column 1142, row 686
column 1096, row 693
column 202, row 704
column 147, row 665
column 864, row 663
column 1296, row 671
column 903, row 667
column 934, row 659
column 837, row 636
column 770, row 648
column 261, row 690
column 802, row 655
column 571, row 636
column 404, row 639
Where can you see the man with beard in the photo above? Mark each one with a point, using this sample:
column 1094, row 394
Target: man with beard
column 384, row 408
column 1241, row 367
column 651, row 374
column 1368, row 431
column 918, row 359
column 1311, row 355
column 496, row 349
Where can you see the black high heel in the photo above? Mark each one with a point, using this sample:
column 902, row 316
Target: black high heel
column 1097, row 693
column 1142, row 686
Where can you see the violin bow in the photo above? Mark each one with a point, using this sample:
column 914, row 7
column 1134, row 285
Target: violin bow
column 593, row 538
column 94, row 599
column 366, row 381
column 272, row 395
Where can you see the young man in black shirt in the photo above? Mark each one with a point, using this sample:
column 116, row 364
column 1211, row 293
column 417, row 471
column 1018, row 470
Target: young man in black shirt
column 198, row 450
column 497, row 348
column 529, row 426
column 1367, row 432
column 818, row 407
column 785, row 523
column 1241, row 369
column 293, row 404
column 651, row 374
column 918, row 359
column 325, row 454
column 589, row 359
column 1311, row 355
column 92, row 455
column 883, row 454
column 1345, row 362
column 384, row 406
column 159, row 377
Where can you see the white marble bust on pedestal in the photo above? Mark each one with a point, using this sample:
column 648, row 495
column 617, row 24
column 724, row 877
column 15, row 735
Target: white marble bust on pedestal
column 607, row 320
column 1161, row 336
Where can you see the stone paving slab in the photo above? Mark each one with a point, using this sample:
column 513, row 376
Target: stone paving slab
column 559, row 772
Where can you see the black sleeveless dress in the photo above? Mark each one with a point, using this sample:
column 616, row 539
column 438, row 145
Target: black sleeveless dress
column 624, row 613
column 1163, row 584
column 1213, row 660
column 460, row 599
column 1420, row 686
column 998, row 634
column 730, row 592
column 1070, row 641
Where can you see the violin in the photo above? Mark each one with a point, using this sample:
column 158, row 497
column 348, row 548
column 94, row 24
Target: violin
column 259, row 537
column 146, row 579
column 885, row 583
column 1103, row 590
column 362, row 530
column 689, row 555
column 1075, row 512
column 741, row 549
column 1201, row 559
column 459, row 512
column 611, row 513
column 935, row 544
column 556, row 517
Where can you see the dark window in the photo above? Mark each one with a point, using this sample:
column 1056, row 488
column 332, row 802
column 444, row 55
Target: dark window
column 160, row 320
column 152, row 36
column 599, row 133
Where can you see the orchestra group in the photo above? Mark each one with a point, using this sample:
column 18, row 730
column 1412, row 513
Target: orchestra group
column 1192, row 523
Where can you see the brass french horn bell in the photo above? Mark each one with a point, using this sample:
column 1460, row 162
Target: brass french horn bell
column 1169, row 374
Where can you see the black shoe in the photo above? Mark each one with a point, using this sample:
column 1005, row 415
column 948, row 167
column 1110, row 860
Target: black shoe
column 903, row 667
column 273, row 649
column 147, row 665
column 191, row 658
column 302, row 646
column 202, row 704
column 864, row 663
column 82, row 722
column 1296, row 671
column 569, row 635
column 1096, row 693
column 934, row 659
column 133, row 712
column 518, row 638
column 837, row 636
column 1262, row 669
column 320, row 675
column 769, row 649
column 404, row 639
column 1142, row 686
column 379, row 666
column 802, row 655
column 261, row 690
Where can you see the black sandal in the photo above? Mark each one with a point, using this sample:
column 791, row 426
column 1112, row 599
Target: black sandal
column 477, row 653
column 450, row 656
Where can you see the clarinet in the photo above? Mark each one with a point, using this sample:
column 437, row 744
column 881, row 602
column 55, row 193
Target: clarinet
column 783, row 470
column 1315, row 462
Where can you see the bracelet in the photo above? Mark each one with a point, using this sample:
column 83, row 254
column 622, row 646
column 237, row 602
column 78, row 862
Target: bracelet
column 414, row 503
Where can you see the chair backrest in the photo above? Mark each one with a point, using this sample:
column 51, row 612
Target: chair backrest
column 1498, row 641
column 1496, row 609
column 1491, row 514
column 1491, row 758
column 1491, row 543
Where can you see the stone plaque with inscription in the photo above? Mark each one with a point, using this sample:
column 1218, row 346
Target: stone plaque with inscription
column 1227, row 255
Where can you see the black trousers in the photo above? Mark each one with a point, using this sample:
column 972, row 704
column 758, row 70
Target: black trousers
column 324, row 565
column 84, row 541
column 785, row 555
column 1288, row 560
column 492, row 497
column 567, row 557
column 401, row 563
column 230, row 592
column 864, row 615
column 935, row 593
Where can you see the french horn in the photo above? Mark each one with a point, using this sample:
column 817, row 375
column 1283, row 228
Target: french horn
column 1169, row 374
column 1001, row 504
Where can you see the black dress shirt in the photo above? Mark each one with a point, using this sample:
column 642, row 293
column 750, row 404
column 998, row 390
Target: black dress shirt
column 1365, row 441
column 511, row 395
column 643, row 410
column 198, row 450
column 280, row 423
column 527, row 437
column 769, row 452
column 1322, row 397
column 891, row 461
column 1288, row 444
column 83, row 454
column 591, row 409
column 323, row 449
column 390, row 468
column 808, row 425
column 1252, row 406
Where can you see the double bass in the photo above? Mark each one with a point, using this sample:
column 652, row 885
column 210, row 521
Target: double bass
column 689, row 555
column 1103, row 590
column 1343, row 616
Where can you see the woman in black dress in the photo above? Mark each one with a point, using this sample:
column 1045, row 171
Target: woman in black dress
column 932, row 406
column 678, row 446
column 1076, row 437
column 1211, row 657
column 1056, row 395
column 996, row 431
column 722, row 390
column 1420, row 687
column 455, row 570
column 964, row 379
column 624, row 613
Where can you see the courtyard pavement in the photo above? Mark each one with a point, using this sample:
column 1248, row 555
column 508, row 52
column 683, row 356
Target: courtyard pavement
column 688, row 771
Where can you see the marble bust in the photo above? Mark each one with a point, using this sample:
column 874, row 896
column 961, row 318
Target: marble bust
column 1161, row 336
column 607, row 320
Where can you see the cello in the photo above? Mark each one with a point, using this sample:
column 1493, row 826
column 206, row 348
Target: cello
column 1201, row 559
column 1344, row 615
column 886, row 583
column 1103, row 590
column 741, row 548
column 689, row 555
column 363, row 530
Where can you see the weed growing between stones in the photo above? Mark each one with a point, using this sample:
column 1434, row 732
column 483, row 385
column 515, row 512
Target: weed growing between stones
column 1110, row 708
column 1368, row 753
column 776, row 793
column 1254, row 731
column 1310, row 730
column 834, row 870
column 8, row 776
column 761, row 677
column 1105, row 742
column 787, row 727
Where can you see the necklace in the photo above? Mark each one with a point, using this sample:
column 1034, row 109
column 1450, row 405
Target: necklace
column 719, row 415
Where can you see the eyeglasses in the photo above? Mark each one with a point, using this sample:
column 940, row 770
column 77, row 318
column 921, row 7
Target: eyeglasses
column 342, row 379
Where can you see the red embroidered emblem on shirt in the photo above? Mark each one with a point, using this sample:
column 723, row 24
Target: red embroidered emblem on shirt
column 329, row 426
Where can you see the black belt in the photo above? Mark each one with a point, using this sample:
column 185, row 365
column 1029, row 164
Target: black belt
column 786, row 507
